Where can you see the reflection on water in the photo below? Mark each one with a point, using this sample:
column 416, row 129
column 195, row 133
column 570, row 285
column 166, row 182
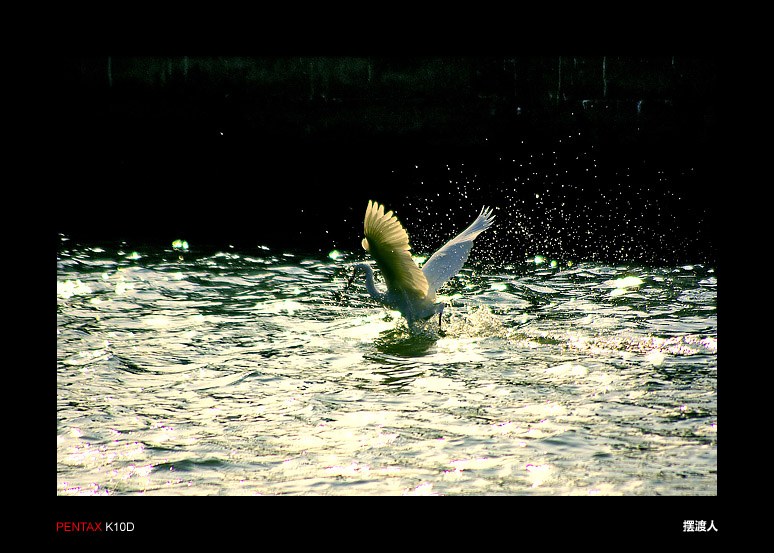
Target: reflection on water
column 253, row 373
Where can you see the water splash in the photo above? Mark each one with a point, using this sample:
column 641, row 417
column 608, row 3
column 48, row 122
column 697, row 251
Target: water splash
column 247, row 374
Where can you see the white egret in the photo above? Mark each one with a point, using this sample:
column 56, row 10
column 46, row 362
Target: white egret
column 409, row 289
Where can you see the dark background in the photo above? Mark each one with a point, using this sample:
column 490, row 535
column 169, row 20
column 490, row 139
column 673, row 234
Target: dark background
column 610, row 158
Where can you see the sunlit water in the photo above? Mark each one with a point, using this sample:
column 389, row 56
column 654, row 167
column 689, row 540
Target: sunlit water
column 252, row 372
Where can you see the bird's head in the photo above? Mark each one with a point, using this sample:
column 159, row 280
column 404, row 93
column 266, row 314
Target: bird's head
column 357, row 268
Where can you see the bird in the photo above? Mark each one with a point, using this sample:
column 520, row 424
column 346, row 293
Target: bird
column 411, row 290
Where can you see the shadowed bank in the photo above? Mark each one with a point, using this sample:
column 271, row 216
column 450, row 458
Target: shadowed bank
column 604, row 157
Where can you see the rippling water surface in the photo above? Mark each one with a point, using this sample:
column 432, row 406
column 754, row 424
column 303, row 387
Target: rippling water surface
column 183, row 372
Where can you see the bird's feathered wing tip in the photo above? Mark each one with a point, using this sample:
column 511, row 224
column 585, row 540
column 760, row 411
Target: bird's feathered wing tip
column 484, row 220
column 388, row 243
column 487, row 213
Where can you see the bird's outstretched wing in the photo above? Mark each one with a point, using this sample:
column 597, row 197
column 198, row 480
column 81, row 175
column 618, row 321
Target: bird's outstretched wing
column 446, row 262
column 387, row 242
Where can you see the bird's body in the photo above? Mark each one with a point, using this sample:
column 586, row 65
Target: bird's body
column 411, row 290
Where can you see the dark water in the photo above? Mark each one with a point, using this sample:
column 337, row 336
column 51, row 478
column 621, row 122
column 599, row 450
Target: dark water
column 250, row 371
